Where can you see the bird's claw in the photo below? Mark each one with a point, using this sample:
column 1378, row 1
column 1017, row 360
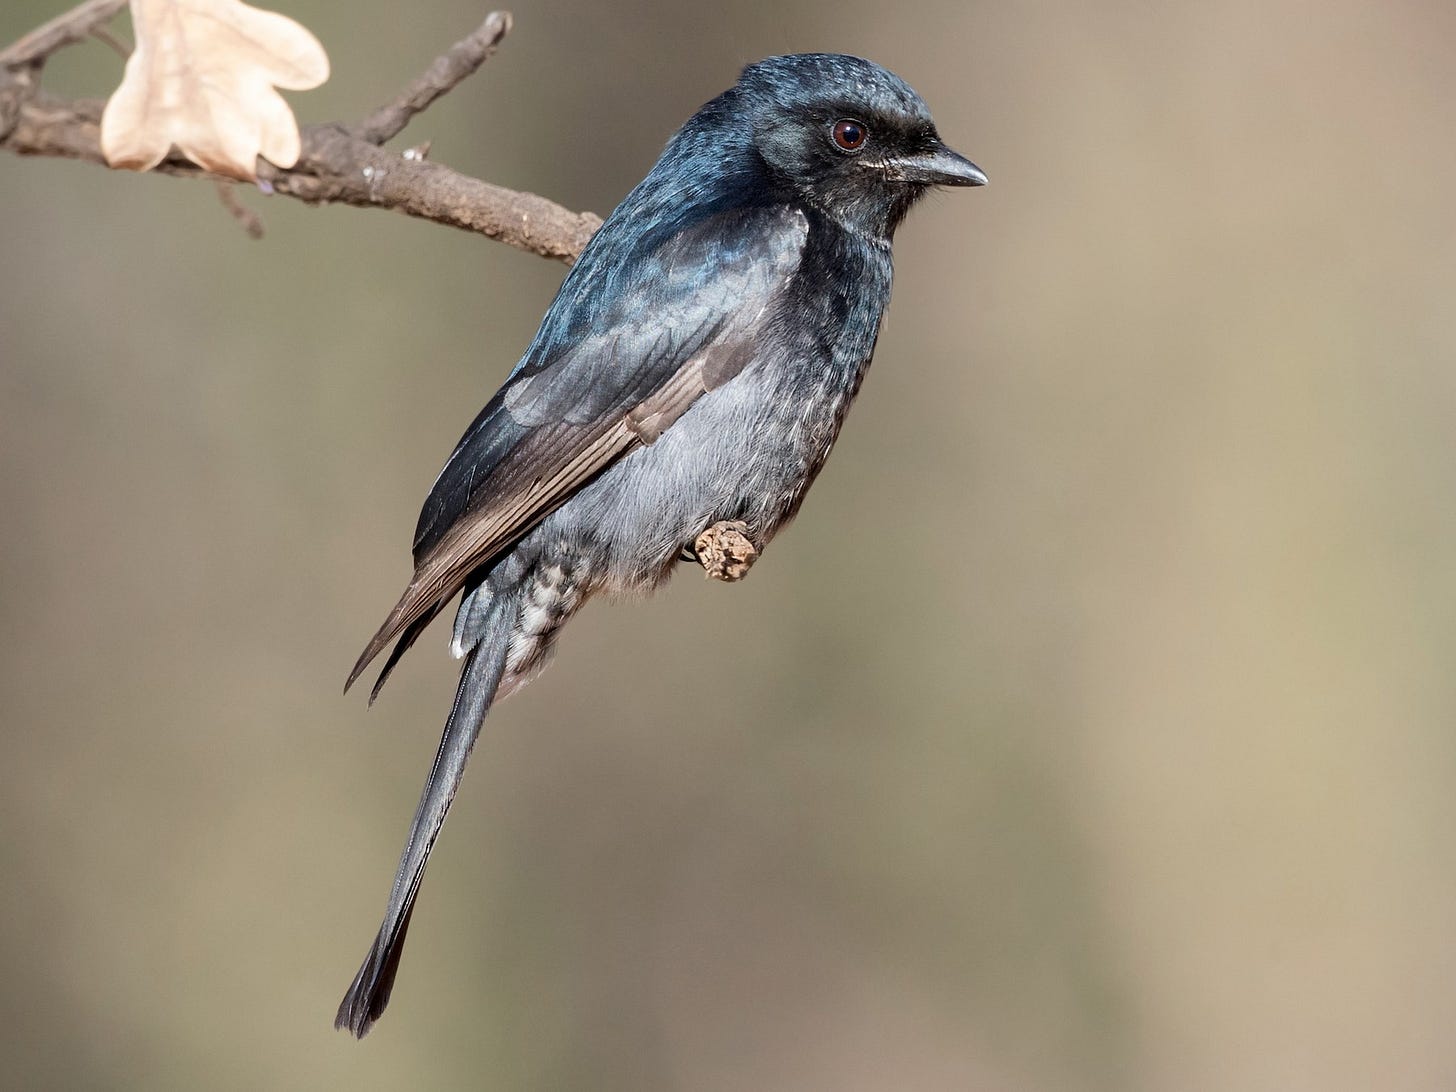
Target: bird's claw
column 725, row 551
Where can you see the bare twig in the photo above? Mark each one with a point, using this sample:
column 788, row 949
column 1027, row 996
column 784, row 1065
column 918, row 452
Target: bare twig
column 73, row 26
column 458, row 62
column 101, row 34
column 339, row 164
column 227, row 193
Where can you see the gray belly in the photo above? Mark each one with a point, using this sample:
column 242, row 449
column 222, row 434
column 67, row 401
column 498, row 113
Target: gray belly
column 747, row 451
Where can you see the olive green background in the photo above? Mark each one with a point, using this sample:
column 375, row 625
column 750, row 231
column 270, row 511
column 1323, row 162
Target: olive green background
column 1092, row 729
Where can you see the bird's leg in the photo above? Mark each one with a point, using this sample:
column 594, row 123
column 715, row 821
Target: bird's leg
column 725, row 551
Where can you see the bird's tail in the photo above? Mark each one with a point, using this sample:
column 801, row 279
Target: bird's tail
column 480, row 677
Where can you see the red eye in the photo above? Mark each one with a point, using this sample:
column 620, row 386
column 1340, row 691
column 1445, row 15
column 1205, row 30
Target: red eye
column 849, row 134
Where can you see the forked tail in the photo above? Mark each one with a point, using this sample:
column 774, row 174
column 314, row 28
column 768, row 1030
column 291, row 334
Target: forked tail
column 479, row 678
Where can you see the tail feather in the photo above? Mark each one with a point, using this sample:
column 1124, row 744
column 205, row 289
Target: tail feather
column 480, row 677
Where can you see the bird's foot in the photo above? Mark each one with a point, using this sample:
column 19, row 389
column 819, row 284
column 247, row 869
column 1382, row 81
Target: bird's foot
column 725, row 551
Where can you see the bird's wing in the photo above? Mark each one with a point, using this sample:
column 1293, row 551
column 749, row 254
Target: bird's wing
column 600, row 380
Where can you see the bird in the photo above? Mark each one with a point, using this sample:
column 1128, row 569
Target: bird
column 691, row 375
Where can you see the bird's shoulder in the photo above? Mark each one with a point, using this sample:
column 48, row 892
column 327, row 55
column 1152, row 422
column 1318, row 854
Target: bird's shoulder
column 649, row 266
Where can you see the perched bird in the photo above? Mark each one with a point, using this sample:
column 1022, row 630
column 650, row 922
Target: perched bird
column 691, row 375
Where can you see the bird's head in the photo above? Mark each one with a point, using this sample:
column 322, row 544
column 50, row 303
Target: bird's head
column 846, row 136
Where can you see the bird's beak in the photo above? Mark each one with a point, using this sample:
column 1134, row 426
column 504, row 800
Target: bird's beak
column 939, row 167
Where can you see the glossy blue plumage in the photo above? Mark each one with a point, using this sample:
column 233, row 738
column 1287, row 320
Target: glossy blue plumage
column 695, row 367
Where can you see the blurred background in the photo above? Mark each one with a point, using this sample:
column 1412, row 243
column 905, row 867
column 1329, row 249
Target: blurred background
column 1092, row 729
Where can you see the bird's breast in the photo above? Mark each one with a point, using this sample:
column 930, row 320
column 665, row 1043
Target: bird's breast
column 747, row 450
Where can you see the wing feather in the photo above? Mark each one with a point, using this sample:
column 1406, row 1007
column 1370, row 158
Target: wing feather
column 685, row 323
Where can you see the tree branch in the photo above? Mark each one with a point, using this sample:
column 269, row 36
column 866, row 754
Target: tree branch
column 452, row 66
column 339, row 164
column 61, row 31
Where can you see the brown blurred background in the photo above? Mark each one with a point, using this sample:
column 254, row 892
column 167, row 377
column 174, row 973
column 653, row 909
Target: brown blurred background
column 1091, row 730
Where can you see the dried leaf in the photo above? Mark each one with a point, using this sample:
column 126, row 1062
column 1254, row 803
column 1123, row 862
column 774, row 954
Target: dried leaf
column 202, row 77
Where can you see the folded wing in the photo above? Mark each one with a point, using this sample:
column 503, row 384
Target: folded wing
column 597, row 382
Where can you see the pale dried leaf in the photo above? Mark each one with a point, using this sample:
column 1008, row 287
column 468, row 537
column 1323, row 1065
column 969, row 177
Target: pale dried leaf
column 202, row 77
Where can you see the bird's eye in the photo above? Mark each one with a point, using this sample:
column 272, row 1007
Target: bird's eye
column 849, row 134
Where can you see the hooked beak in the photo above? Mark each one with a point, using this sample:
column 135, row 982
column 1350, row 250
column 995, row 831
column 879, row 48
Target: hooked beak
column 939, row 167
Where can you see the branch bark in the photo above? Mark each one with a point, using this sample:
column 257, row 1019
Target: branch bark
column 340, row 163
column 61, row 31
